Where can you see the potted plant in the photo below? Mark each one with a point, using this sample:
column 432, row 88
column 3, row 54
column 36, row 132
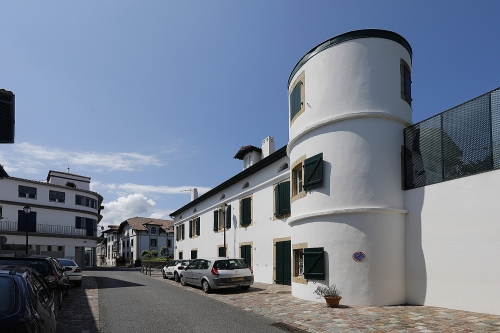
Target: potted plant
column 331, row 295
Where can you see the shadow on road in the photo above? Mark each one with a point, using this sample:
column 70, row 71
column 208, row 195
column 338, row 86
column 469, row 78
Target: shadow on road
column 107, row 283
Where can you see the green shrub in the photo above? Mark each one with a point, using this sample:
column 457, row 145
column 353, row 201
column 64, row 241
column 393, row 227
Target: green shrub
column 146, row 254
column 154, row 253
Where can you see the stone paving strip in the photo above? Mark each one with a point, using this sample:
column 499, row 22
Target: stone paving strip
column 277, row 303
column 80, row 312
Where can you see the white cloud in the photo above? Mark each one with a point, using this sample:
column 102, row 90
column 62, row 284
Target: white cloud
column 97, row 161
column 126, row 207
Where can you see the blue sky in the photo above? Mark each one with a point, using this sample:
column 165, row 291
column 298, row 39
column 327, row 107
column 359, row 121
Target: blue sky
column 149, row 98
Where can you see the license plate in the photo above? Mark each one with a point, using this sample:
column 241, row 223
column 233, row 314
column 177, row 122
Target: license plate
column 239, row 279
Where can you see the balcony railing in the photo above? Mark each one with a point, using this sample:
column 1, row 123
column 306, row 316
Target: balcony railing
column 45, row 228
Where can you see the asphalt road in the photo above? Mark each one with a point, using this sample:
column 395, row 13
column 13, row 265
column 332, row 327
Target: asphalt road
column 132, row 302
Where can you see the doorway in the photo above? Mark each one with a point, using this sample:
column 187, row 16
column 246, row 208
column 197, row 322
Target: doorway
column 283, row 260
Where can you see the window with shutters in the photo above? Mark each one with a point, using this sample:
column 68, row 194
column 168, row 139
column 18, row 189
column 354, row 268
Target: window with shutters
column 194, row 228
column 194, row 254
column 221, row 251
column 181, row 255
column 313, row 172
column 282, row 199
column 219, row 217
column 405, row 82
column 179, row 232
column 298, row 263
column 246, row 252
column 246, row 212
column 314, row 263
column 27, row 192
column 298, row 179
column 297, row 97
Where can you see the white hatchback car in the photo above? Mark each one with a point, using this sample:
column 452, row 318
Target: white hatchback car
column 216, row 273
column 174, row 269
column 73, row 271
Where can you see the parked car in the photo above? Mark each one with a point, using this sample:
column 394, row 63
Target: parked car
column 216, row 273
column 49, row 267
column 27, row 302
column 174, row 269
column 73, row 271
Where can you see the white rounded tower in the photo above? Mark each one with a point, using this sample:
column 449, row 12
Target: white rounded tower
column 350, row 99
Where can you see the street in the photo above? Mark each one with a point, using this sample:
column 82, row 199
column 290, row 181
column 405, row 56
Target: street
column 132, row 302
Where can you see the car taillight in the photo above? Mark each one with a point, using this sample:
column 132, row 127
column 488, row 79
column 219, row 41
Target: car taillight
column 78, row 270
column 180, row 268
column 51, row 278
column 214, row 271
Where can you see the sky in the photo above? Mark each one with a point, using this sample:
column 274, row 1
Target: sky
column 153, row 98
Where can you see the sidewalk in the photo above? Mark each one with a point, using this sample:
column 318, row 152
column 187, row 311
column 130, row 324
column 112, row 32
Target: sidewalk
column 80, row 313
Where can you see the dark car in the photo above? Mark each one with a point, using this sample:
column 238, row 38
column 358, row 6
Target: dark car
column 27, row 303
column 49, row 267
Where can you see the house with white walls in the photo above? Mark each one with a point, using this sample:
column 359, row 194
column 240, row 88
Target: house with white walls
column 59, row 216
column 390, row 211
column 135, row 235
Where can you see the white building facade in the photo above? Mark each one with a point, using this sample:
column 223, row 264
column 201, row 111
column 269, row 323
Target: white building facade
column 340, row 203
column 62, row 221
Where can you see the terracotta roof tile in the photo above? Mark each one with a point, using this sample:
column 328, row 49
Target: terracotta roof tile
column 138, row 223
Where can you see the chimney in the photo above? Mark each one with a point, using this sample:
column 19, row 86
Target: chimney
column 268, row 146
column 194, row 194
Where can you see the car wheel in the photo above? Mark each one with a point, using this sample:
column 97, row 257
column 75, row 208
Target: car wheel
column 206, row 286
column 77, row 283
column 163, row 273
column 59, row 306
column 244, row 287
column 176, row 277
column 183, row 281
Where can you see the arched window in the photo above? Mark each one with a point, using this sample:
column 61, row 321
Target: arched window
column 284, row 166
column 153, row 230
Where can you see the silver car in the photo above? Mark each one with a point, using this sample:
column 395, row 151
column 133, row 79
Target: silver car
column 217, row 273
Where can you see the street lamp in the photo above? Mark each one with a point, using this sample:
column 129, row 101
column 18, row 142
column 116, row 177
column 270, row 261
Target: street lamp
column 27, row 211
column 224, row 209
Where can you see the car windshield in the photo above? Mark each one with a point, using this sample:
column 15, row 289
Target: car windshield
column 67, row 262
column 8, row 292
column 40, row 265
column 184, row 263
column 230, row 264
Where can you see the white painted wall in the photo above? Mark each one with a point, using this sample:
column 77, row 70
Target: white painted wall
column 452, row 238
column 355, row 116
column 264, row 229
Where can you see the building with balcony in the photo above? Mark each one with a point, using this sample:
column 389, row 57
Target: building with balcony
column 135, row 235
column 62, row 216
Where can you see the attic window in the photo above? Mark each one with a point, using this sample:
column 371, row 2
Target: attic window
column 283, row 167
column 245, row 185
column 70, row 184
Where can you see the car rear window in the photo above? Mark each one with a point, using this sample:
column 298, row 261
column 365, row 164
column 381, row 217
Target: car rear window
column 40, row 265
column 8, row 292
column 230, row 264
column 67, row 262
column 185, row 263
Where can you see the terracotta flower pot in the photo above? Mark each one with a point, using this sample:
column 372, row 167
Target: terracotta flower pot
column 333, row 302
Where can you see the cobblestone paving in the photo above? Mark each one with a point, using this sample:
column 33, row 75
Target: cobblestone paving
column 276, row 302
column 80, row 312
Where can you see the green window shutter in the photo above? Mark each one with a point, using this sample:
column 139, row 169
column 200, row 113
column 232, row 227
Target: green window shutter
column 194, row 254
column 228, row 217
column 180, row 255
column 282, row 199
column 295, row 100
column 246, row 211
column 190, row 229
column 222, row 252
column 182, row 231
column 313, row 172
column 314, row 263
column 216, row 220
column 198, row 226
column 246, row 253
